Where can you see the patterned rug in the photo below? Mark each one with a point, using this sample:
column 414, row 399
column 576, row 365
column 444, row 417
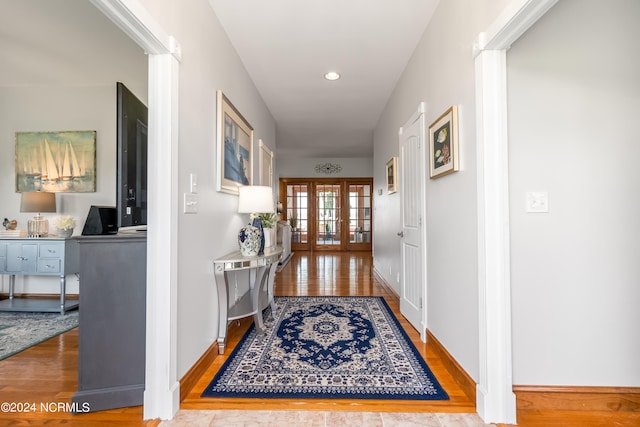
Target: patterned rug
column 327, row 347
column 19, row 331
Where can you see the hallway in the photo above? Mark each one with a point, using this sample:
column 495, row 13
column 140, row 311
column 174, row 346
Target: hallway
column 333, row 273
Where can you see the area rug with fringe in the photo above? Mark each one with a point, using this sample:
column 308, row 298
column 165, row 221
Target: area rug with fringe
column 327, row 347
column 19, row 331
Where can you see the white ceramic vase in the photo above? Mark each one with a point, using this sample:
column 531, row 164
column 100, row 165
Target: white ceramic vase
column 270, row 236
column 249, row 240
column 65, row 232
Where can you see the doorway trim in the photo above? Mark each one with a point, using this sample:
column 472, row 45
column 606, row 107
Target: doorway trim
column 495, row 400
column 265, row 164
column 162, row 388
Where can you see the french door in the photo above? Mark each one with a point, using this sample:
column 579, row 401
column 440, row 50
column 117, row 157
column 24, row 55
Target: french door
column 328, row 214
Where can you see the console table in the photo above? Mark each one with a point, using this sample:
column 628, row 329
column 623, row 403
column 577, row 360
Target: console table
column 262, row 270
column 47, row 256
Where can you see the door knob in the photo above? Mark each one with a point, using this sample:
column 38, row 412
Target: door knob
column 401, row 234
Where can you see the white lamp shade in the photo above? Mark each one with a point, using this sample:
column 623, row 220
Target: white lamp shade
column 38, row 201
column 255, row 199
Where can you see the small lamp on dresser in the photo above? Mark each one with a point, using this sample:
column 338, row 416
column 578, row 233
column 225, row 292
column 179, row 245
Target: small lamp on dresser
column 38, row 201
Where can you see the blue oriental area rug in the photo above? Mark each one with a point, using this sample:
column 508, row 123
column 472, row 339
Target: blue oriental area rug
column 327, row 347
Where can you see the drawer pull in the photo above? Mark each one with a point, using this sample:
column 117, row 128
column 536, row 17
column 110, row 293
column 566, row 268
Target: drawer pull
column 49, row 266
column 21, row 258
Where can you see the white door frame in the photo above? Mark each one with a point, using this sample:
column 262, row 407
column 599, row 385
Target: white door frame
column 265, row 161
column 495, row 400
column 162, row 387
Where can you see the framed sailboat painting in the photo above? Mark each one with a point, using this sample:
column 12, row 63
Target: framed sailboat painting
column 57, row 162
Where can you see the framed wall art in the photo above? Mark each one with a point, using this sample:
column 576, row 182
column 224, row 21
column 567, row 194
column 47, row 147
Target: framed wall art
column 235, row 147
column 392, row 171
column 56, row 162
column 443, row 144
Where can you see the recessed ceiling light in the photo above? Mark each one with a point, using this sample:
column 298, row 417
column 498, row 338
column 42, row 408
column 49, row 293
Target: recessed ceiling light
column 332, row 75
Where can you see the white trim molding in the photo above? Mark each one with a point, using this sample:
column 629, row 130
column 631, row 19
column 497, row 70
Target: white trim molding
column 162, row 391
column 134, row 20
column 162, row 387
column 495, row 400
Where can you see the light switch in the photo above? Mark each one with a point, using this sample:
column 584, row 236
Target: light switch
column 537, row 202
column 193, row 183
column 190, row 203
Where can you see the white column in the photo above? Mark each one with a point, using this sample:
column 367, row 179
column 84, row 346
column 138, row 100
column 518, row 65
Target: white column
column 496, row 402
column 495, row 399
column 162, row 391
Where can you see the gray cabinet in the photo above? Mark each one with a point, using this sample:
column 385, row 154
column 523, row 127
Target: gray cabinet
column 44, row 257
column 111, row 348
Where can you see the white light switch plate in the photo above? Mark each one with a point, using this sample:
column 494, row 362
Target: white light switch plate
column 537, row 201
column 190, row 203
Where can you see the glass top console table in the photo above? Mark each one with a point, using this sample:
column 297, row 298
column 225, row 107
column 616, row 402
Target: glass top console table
column 262, row 270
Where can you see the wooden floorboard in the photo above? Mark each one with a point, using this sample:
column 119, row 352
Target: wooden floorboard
column 47, row 373
column 38, row 383
column 334, row 274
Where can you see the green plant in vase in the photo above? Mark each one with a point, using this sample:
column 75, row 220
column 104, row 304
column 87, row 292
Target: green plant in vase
column 293, row 221
column 268, row 220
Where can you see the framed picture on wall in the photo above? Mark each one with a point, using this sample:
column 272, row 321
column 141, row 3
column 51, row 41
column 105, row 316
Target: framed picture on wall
column 55, row 162
column 392, row 171
column 235, row 147
column 443, row 144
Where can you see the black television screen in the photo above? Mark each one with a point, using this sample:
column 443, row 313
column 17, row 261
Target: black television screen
column 131, row 177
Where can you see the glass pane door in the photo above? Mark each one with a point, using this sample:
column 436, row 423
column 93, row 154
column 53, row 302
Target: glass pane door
column 359, row 219
column 298, row 213
column 328, row 216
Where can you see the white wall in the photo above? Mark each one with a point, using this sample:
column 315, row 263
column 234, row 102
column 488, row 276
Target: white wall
column 574, row 104
column 209, row 62
column 352, row 167
column 64, row 97
column 441, row 73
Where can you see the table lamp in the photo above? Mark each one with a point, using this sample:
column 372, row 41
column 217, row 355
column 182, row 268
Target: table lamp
column 253, row 199
column 38, row 201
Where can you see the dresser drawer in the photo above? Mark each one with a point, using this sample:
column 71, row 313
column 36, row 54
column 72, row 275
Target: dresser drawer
column 3, row 249
column 22, row 258
column 51, row 250
column 51, row 265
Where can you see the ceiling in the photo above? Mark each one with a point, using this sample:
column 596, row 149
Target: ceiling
column 288, row 45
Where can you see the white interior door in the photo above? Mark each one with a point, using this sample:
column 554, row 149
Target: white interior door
column 413, row 284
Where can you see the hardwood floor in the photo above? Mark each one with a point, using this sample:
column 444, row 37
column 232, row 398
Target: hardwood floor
column 46, row 374
column 339, row 274
column 40, row 381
